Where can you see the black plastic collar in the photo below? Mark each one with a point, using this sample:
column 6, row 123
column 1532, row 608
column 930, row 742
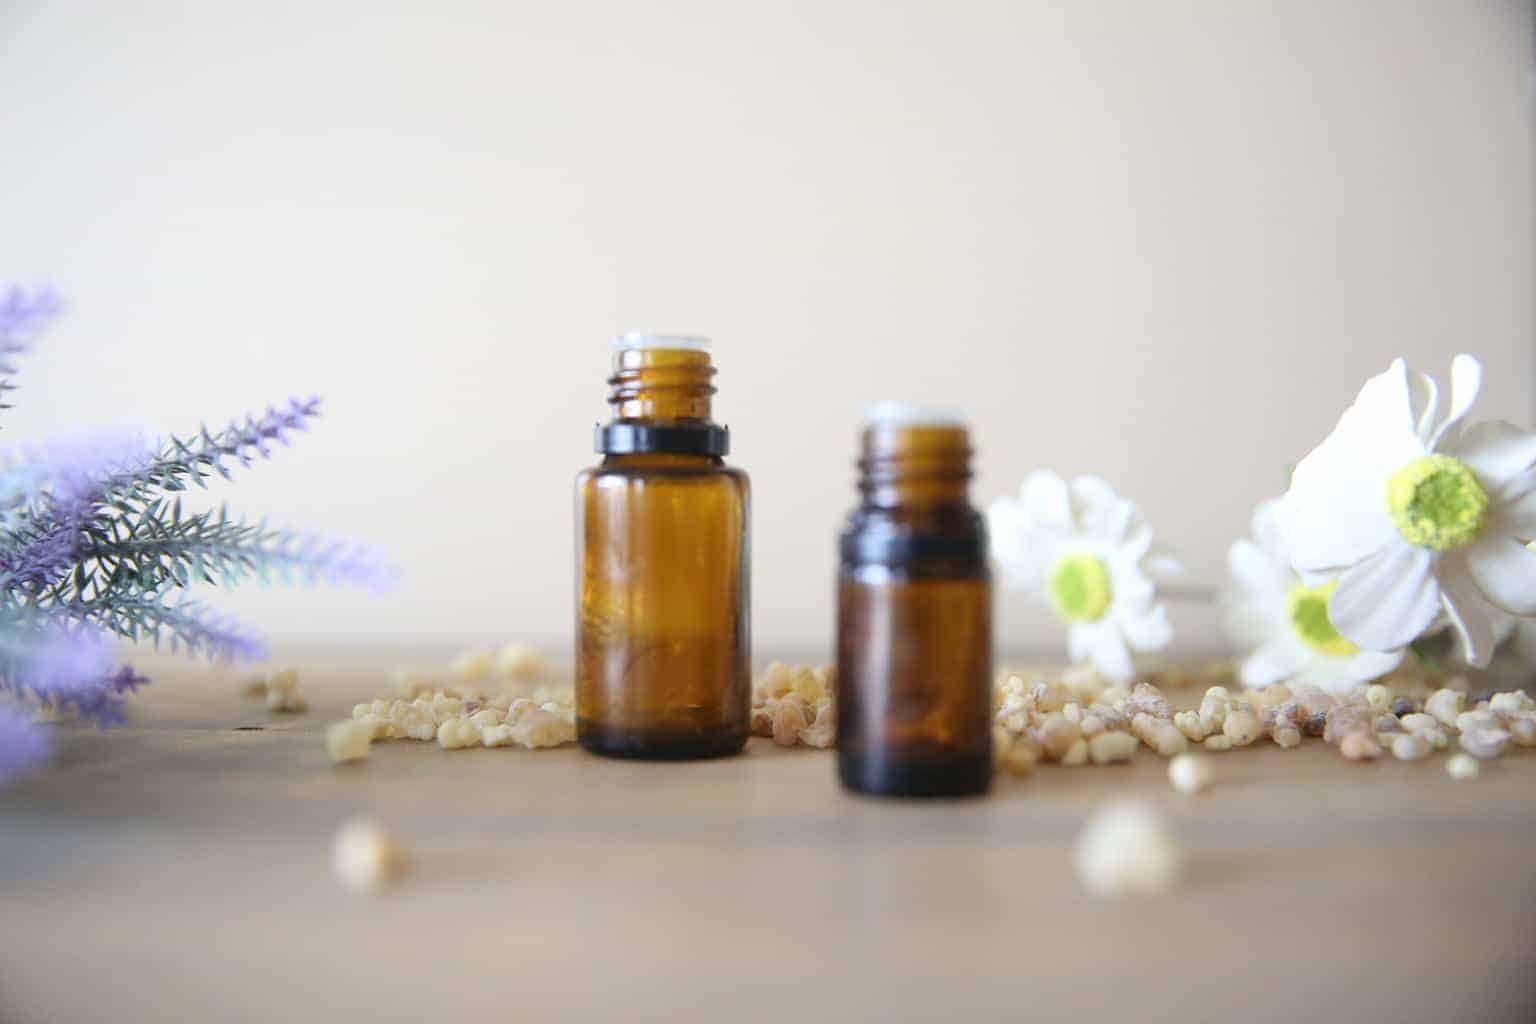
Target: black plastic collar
column 674, row 439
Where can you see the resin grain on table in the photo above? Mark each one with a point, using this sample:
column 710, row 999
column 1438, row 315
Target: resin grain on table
column 179, row 866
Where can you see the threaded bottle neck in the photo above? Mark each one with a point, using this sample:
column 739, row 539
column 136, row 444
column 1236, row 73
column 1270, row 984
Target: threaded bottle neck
column 914, row 465
column 660, row 393
column 662, row 384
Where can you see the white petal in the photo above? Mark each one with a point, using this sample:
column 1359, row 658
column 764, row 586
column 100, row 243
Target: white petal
column 1138, row 541
column 1496, row 451
column 1368, row 665
column 1012, row 543
column 1101, row 643
column 1257, row 572
column 1101, row 513
column 1149, row 630
column 1266, row 530
column 1043, row 497
column 1470, row 613
column 1386, row 601
column 1466, row 381
column 1023, row 548
column 1248, row 623
column 1518, row 515
column 1160, row 565
column 1326, row 533
column 1276, row 661
column 1505, row 571
column 1335, row 513
column 1424, row 394
column 1342, row 674
column 1129, row 587
column 1109, row 654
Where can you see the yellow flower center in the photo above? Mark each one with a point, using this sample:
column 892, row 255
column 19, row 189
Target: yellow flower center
column 1079, row 588
column 1436, row 502
column 1307, row 608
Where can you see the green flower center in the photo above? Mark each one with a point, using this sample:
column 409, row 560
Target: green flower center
column 1079, row 588
column 1436, row 503
column 1307, row 608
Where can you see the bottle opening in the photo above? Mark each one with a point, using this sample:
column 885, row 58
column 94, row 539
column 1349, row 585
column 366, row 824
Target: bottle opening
column 648, row 340
column 910, row 414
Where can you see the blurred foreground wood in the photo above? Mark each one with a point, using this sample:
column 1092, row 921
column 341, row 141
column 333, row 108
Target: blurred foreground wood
column 177, row 870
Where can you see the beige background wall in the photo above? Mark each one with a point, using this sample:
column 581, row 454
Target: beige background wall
column 1159, row 241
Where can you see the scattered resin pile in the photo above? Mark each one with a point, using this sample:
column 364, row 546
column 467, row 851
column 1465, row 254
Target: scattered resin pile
column 1076, row 719
column 796, row 704
column 469, row 712
column 1070, row 718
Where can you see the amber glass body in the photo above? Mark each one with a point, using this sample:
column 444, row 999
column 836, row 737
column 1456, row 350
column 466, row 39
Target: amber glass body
column 662, row 634
column 914, row 624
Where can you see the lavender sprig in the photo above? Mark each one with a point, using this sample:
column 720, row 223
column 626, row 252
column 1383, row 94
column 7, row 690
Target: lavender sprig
column 182, row 462
column 185, row 625
column 159, row 543
column 95, row 544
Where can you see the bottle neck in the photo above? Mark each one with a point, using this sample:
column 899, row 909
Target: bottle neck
column 914, row 466
column 661, row 405
column 661, row 385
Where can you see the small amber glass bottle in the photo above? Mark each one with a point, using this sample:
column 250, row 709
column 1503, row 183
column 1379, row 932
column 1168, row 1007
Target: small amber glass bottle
column 662, row 633
column 914, row 620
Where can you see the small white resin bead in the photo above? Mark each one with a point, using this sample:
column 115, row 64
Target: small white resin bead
column 1445, row 705
column 284, row 681
column 289, row 701
column 1110, row 747
column 364, row 857
column 348, row 741
column 1190, row 773
column 1242, row 727
column 1512, row 700
column 1461, row 768
column 1126, row 849
column 1410, row 747
column 457, row 733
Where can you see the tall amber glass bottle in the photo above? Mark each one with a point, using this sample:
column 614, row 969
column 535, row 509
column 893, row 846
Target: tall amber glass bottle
column 662, row 558
column 914, row 623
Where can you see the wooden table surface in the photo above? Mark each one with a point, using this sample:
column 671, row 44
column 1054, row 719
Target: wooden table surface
column 177, row 870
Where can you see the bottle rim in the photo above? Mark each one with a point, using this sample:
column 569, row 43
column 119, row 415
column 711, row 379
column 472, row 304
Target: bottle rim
column 654, row 340
column 910, row 414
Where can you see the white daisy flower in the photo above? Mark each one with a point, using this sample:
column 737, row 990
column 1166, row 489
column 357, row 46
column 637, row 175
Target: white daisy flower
column 1417, row 514
column 1088, row 553
column 1283, row 624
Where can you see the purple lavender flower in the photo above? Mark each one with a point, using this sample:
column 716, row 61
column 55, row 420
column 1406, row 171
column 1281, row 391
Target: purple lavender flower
column 25, row 745
column 69, row 469
column 22, row 318
column 94, row 543
column 103, row 702
column 63, row 664
column 342, row 561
